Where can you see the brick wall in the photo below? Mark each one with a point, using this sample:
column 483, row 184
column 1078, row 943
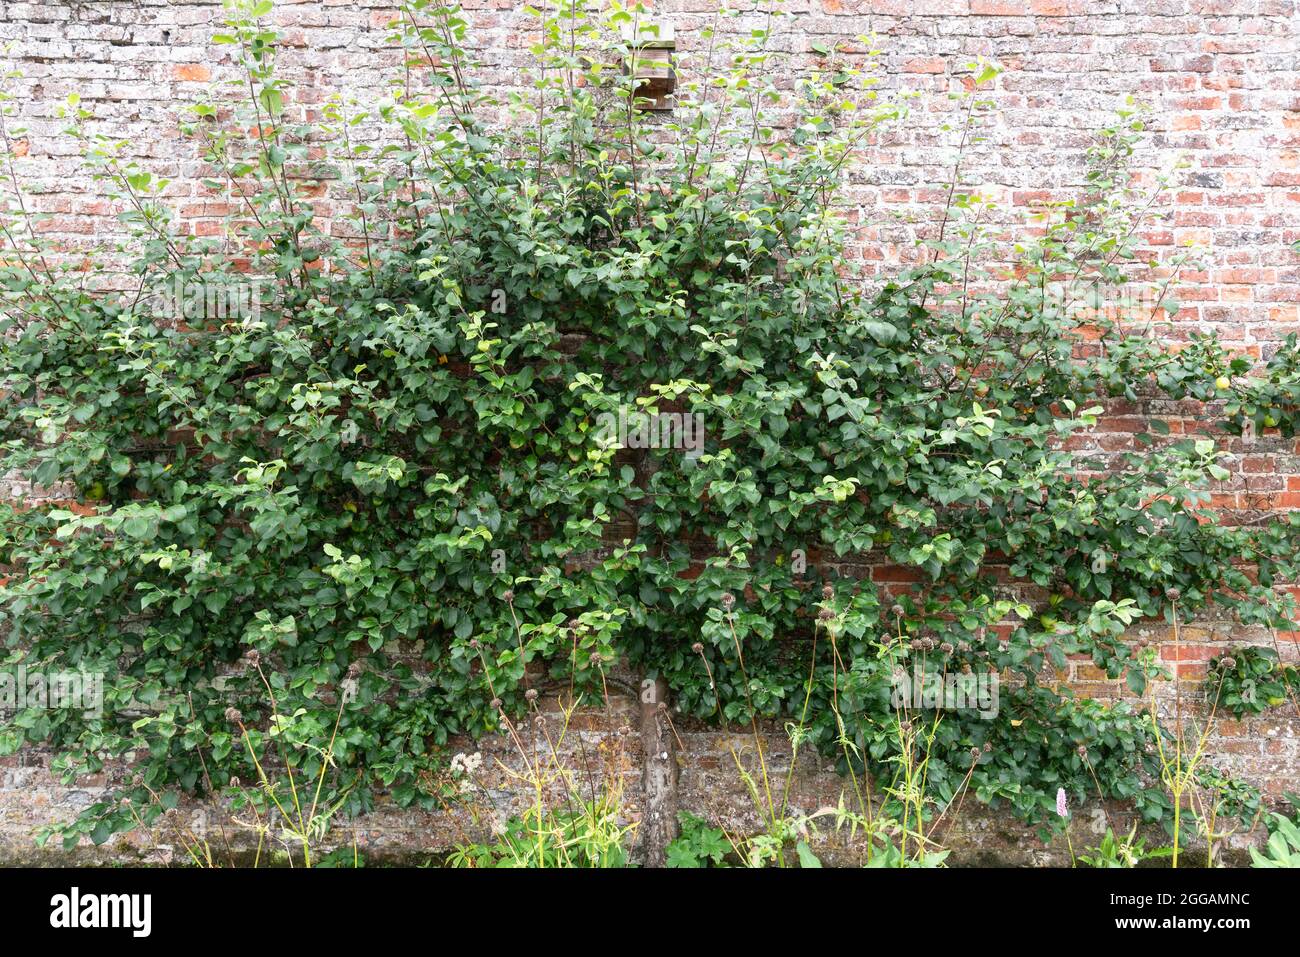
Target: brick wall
column 602, row 749
column 1222, row 78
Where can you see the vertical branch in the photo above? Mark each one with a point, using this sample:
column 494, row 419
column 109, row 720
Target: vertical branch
column 659, row 774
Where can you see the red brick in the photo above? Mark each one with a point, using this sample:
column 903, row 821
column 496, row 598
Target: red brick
column 191, row 73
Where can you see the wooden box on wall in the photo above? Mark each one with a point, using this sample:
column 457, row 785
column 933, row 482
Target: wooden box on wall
column 649, row 60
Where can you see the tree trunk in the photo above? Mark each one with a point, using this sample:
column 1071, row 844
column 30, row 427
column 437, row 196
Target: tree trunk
column 659, row 774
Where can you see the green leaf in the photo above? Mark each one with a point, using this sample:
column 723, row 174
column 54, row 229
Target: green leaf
column 806, row 857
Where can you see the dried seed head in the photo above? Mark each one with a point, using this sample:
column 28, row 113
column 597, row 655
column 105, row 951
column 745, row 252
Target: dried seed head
column 495, row 704
column 825, row 614
column 235, row 782
column 574, row 624
column 474, row 643
column 897, row 611
column 946, row 648
column 828, row 591
column 1082, row 750
column 530, row 694
column 594, row 657
column 697, row 648
column 253, row 657
column 355, row 669
column 987, row 747
column 974, row 752
column 1173, row 594
column 1227, row 663
column 234, row 716
column 728, row 601
column 963, row 646
column 509, row 596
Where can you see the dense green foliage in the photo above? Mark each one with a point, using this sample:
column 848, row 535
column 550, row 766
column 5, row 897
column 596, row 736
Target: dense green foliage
column 1283, row 847
column 1250, row 680
column 393, row 481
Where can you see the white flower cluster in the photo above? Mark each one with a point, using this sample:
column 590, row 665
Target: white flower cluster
column 466, row 764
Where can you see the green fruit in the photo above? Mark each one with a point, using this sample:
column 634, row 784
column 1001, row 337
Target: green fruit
column 1222, row 383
